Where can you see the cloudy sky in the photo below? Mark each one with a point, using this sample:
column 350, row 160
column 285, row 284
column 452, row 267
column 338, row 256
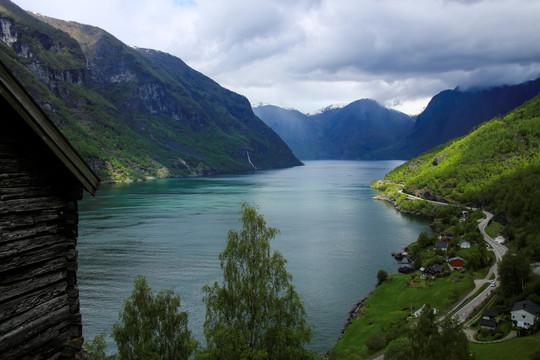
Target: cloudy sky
column 308, row 54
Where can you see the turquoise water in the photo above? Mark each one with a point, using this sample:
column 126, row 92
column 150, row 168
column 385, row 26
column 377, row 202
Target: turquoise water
column 333, row 234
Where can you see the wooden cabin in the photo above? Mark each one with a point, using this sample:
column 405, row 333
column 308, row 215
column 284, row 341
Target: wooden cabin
column 41, row 180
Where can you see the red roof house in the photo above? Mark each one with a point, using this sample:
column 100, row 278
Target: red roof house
column 456, row 263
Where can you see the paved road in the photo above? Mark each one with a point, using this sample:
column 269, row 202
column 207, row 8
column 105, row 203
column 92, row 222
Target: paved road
column 464, row 308
column 499, row 249
column 463, row 311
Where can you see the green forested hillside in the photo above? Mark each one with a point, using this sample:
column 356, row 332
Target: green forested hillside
column 133, row 113
column 496, row 166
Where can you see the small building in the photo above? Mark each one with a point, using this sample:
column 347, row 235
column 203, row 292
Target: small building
column 443, row 245
column 41, row 180
column 525, row 313
column 432, row 270
column 489, row 315
column 465, row 244
column 488, row 320
column 456, row 263
column 488, row 324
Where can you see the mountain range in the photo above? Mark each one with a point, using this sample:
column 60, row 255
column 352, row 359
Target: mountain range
column 367, row 130
column 137, row 113
column 134, row 113
column 351, row 132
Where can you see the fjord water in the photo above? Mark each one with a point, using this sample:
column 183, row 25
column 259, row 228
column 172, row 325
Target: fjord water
column 333, row 234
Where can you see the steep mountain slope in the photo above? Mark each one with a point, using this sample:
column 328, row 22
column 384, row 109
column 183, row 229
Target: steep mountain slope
column 352, row 132
column 495, row 166
column 134, row 113
column 453, row 113
column 301, row 132
column 356, row 130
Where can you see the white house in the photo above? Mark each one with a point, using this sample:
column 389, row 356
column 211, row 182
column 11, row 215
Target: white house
column 419, row 311
column 465, row 244
column 525, row 313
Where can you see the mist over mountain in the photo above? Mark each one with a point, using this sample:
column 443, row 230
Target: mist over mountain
column 134, row 113
column 454, row 113
column 366, row 130
column 352, row 132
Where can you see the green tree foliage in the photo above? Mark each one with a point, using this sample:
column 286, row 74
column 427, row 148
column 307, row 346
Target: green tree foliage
column 152, row 327
column 453, row 341
column 478, row 258
column 446, row 338
column 97, row 347
column 255, row 313
column 382, row 275
column 496, row 166
column 165, row 120
column 514, row 271
column 424, row 240
column 424, row 336
column 399, row 349
column 376, row 341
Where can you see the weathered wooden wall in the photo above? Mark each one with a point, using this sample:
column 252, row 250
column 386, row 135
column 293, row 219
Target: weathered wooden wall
column 39, row 298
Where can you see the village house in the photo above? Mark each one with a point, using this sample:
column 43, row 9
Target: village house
column 456, row 263
column 525, row 313
column 432, row 270
column 443, row 245
column 41, row 180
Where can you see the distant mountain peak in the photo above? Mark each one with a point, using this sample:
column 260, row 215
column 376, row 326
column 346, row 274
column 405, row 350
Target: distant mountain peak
column 351, row 131
column 328, row 108
column 364, row 129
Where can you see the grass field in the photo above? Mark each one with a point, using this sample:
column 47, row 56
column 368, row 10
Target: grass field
column 494, row 229
column 391, row 303
column 516, row 349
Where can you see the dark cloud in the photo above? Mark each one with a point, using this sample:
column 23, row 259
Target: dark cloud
column 311, row 53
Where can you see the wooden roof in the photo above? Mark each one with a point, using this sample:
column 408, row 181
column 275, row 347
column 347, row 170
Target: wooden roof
column 39, row 122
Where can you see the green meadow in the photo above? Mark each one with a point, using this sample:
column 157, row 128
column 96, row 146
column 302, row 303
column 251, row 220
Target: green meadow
column 388, row 307
column 518, row 348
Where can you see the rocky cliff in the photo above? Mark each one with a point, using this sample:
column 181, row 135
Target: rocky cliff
column 134, row 113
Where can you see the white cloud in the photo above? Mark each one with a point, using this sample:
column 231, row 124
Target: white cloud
column 311, row 53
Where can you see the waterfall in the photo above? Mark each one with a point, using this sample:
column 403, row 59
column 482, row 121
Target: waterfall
column 249, row 160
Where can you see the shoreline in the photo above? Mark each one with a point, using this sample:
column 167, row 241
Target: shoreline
column 356, row 310
column 204, row 174
column 353, row 314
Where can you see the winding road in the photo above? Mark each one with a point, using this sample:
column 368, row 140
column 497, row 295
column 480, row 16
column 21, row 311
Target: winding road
column 467, row 305
column 463, row 309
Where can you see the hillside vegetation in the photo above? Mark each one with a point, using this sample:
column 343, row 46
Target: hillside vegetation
column 133, row 113
column 454, row 113
column 496, row 166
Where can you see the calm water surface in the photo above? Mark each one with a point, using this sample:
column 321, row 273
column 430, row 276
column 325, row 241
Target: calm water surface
column 333, row 234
